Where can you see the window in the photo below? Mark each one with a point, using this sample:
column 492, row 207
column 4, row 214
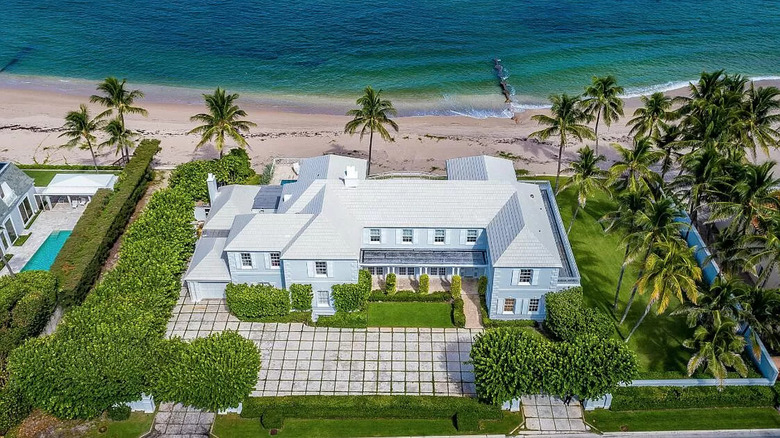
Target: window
column 509, row 305
column 376, row 270
column 471, row 236
column 438, row 236
column 323, row 298
column 9, row 227
column 403, row 270
column 275, row 259
column 376, row 235
column 321, row 269
column 525, row 276
column 533, row 305
column 407, row 236
column 25, row 210
column 246, row 260
column 437, row 271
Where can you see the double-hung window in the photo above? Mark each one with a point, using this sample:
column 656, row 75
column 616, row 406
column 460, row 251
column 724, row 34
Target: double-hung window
column 407, row 236
column 321, row 269
column 323, row 298
column 275, row 259
column 533, row 305
column 525, row 276
column 438, row 236
column 375, row 235
column 471, row 236
column 405, row 270
column 376, row 270
column 437, row 271
column 246, row 260
column 509, row 305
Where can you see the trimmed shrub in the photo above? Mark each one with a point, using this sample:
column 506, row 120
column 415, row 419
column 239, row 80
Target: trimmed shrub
column 568, row 318
column 455, row 286
column 458, row 317
column 365, row 406
column 256, row 301
column 27, row 300
column 673, row 397
column 482, row 285
column 14, row 407
column 365, row 281
column 233, row 168
column 118, row 412
column 410, row 296
column 272, row 419
column 301, row 296
column 344, row 320
column 424, row 284
column 351, row 297
column 80, row 260
column 212, row 373
column 390, row 280
column 467, row 421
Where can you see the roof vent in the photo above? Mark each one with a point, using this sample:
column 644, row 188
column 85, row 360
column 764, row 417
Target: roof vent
column 350, row 177
column 286, row 197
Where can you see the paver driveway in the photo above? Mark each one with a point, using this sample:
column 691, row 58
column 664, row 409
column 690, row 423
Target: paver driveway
column 298, row 359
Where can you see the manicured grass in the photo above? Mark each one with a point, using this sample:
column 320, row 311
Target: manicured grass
column 235, row 426
column 411, row 314
column 135, row 426
column 23, row 238
column 684, row 419
column 43, row 177
column 658, row 341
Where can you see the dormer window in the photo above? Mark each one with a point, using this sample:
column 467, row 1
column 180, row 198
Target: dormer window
column 375, row 235
column 439, row 236
column 471, row 236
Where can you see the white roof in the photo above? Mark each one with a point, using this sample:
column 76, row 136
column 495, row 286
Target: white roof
column 79, row 184
column 230, row 201
column 208, row 262
column 250, row 231
column 481, row 168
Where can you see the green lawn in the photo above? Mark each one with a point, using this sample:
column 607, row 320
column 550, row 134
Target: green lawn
column 234, row 426
column 413, row 314
column 137, row 425
column 658, row 341
column 684, row 419
column 43, row 177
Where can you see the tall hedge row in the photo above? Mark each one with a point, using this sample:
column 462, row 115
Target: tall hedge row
column 27, row 300
column 568, row 318
column 256, row 301
column 78, row 263
column 672, row 397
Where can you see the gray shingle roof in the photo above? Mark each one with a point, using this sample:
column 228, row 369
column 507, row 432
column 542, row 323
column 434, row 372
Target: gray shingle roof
column 265, row 232
column 230, row 201
column 208, row 261
column 17, row 180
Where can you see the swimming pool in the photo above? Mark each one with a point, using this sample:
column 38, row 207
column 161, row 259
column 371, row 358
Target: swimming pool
column 287, row 181
column 44, row 257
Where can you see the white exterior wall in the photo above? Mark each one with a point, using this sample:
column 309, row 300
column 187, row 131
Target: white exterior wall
column 503, row 286
column 423, row 238
column 260, row 272
column 302, row 272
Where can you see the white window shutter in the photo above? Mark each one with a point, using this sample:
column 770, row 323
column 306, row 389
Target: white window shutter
column 383, row 236
column 267, row 260
column 535, row 277
column 515, row 276
column 366, row 235
column 330, row 269
column 399, row 235
column 520, row 306
column 310, row 268
column 415, row 236
column 447, row 234
column 463, row 234
column 430, row 237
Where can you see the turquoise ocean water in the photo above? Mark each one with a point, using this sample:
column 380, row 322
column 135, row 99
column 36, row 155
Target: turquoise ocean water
column 433, row 55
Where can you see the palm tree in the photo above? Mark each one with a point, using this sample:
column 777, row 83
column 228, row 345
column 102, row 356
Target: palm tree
column 667, row 142
column 566, row 120
column 81, row 128
column 116, row 98
column 121, row 139
column 753, row 198
column 718, row 347
column 602, row 98
column 586, row 180
column 670, row 271
column 760, row 118
column 374, row 113
column 633, row 170
column 652, row 116
column 223, row 120
column 765, row 250
column 701, row 174
column 723, row 295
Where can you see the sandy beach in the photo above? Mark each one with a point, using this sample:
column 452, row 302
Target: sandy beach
column 30, row 121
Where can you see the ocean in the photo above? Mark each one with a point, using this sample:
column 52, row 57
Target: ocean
column 431, row 56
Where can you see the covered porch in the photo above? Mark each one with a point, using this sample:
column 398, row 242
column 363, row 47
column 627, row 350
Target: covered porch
column 74, row 189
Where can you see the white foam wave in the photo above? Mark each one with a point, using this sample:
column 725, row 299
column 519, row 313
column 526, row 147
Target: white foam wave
column 643, row 91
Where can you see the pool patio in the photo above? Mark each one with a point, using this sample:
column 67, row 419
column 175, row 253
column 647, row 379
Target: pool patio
column 61, row 217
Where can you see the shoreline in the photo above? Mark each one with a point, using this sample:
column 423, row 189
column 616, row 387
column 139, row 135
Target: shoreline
column 30, row 122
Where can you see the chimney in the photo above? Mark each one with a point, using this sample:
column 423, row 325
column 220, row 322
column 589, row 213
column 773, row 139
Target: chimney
column 211, row 182
column 350, row 177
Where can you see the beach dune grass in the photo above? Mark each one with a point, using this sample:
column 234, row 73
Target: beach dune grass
column 410, row 314
column 684, row 419
column 232, row 425
column 658, row 341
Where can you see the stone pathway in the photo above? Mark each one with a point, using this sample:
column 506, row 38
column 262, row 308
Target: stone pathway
column 471, row 304
column 177, row 421
column 550, row 414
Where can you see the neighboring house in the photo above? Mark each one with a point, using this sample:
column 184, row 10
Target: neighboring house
column 18, row 204
column 332, row 222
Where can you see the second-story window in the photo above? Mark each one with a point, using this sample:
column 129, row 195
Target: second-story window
column 407, row 236
column 275, row 259
column 246, row 260
column 321, row 269
column 471, row 236
column 438, row 236
column 376, row 235
column 525, row 276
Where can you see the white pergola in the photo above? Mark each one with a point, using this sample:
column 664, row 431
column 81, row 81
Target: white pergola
column 76, row 187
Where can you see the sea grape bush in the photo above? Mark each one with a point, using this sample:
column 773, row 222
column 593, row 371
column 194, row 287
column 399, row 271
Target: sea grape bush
column 351, row 297
column 301, row 296
column 568, row 318
column 256, row 301
column 27, row 300
column 233, row 168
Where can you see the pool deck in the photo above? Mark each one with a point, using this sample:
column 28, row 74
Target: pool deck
column 61, row 217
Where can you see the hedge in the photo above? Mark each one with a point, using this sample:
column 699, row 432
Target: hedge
column 81, row 258
column 568, row 318
column 458, row 317
column 301, row 296
column 14, row 407
column 27, row 300
column 482, row 284
column 273, row 410
column 425, row 281
column 344, row 320
column 410, row 296
column 455, row 286
column 352, row 297
column 209, row 373
column 256, row 301
column 672, row 397
column 233, row 168
column 390, row 281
